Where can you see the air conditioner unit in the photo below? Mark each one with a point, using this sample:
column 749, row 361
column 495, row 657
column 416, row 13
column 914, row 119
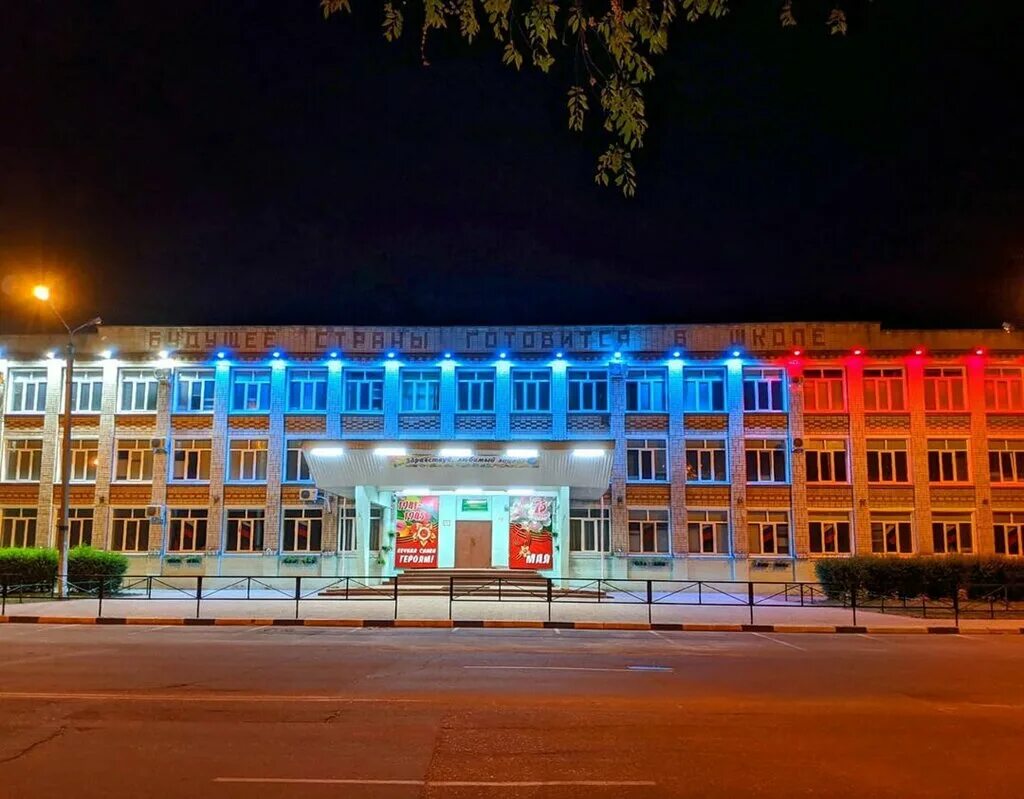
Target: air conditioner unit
column 309, row 495
column 155, row 513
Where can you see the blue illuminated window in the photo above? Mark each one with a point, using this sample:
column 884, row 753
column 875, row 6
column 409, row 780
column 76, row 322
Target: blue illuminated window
column 588, row 390
column 762, row 390
column 704, row 390
column 475, row 389
column 531, row 390
column 364, row 390
column 307, row 390
column 250, row 390
column 194, row 391
column 421, row 390
column 645, row 390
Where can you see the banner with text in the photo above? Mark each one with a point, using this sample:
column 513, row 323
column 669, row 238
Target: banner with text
column 530, row 539
column 416, row 532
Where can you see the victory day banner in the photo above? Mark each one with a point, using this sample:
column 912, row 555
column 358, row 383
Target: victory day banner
column 530, row 539
column 416, row 533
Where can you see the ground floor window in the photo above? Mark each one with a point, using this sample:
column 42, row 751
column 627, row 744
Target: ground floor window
column 347, row 528
column 891, row 534
column 245, row 528
column 376, row 527
column 186, row 530
column 79, row 527
column 768, row 532
column 708, row 531
column 18, row 527
column 589, row 530
column 129, row 530
column 952, row 532
column 648, row 531
column 303, row 530
column 1009, row 530
column 830, row 534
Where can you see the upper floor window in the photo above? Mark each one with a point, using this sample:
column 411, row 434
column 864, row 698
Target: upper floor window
column 129, row 530
column 247, row 460
column 952, row 532
column 884, row 390
column 250, row 390
column 589, row 530
column 86, row 390
column 307, row 390
column 364, row 390
column 531, row 390
column 1006, row 460
column 24, row 459
column 1009, row 530
column 706, row 460
column 85, row 454
column 27, row 391
column 645, row 460
column 762, row 390
column 303, row 530
column 704, row 390
column 134, row 460
column 186, row 530
column 648, row 531
column 887, row 460
column 475, row 390
column 768, row 532
column 192, row 459
column 947, row 460
column 830, row 533
column 944, row 389
column 18, row 527
column 826, row 460
column 1004, row 389
column 245, row 528
column 588, row 390
column 823, row 390
column 766, row 460
column 891, row 534
column 645, row 390
column 708, row 531
column 421, row 390
column 296, row 469
column 138, row 390
column 194, row 391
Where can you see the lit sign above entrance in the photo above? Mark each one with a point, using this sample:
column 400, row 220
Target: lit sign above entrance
column 473, row 461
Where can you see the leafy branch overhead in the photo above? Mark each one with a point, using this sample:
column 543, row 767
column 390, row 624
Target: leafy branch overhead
column 612, row 43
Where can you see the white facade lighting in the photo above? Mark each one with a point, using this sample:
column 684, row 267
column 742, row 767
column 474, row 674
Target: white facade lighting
column 390, row 452
column 455, row 452
column 416, row 491
column 474, row 490
column 588, row 452
column 520, row 492
column 327, row 452
column 520, row 452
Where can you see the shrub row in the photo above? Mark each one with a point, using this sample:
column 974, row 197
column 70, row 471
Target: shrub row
column 30, row 566
column 934, row 577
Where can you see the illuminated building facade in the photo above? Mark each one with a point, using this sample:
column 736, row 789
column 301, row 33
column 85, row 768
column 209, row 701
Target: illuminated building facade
column 674, row 451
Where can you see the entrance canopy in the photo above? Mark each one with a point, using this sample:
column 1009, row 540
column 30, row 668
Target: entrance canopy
column 338, row 466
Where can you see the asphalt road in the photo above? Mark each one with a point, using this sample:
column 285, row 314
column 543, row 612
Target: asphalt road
column 280, row 712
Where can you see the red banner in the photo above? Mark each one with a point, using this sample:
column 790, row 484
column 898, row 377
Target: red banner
column 416, row 533
column 530, row 539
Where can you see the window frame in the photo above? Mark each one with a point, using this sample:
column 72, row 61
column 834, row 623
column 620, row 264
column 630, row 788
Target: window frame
column 647, row 390
column 1008, row 533
column 363, row 384
column 783, row 520
column 19, row 380
column 202, row 463
column 206, row 381
column 938, row 465
column 19, row 459
column 942, row 385
column 23, row 530
column 252, row 467
column 652, row 458
column 1004, row 389
column 878, row 459
column 590, row 523
column 315, row 535
column 91, row 464
column 256, row 381
column 899, row 522
column 139, row 527
column 176, row 528
column 420, row 390
column 298, row 461
column 773, row 380
column 78, row 529
column 697, row 522
column 696, row 469
column 961, row 522
column 822, row 383
column 659, row 528
column 1007, row 456
column 699, row 389
column 842, row 532
column 531, row 387
column 233, row 519
column 135, row 384
column 588, row 394
column 85, row 381
column 145, row 459
column 480, row 386
column 769, row 457
column 821, row 451
column 883, row 383
column 312, row 384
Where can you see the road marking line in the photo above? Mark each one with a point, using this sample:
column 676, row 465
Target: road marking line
column 777, row 641
column 442, row 783
column 183, row 697
column 544, row 668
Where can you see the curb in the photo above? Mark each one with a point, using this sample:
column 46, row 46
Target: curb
column 445, row 624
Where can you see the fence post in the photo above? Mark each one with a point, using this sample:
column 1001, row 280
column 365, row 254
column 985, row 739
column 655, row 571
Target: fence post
column 396, row 595
column 956, row 607
column 199, row 593
column 853, row 604
column 298, row 593
column 3, row 592
column 750, row 599
column 650, row 599
column 549, row 599
column 451, row 594
column 248, row 587
column 99, row 609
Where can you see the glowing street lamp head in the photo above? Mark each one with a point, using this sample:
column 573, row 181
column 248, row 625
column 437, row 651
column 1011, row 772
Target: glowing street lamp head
column 41, row 293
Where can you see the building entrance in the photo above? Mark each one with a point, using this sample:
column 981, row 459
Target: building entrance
column 472, row 545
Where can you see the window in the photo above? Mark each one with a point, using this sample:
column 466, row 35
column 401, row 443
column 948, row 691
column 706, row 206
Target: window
column 307, row 390
column 588, row 390
column 708, row 532
column 24, row 459
column 247, row 462
column 766, row 460
column 245, row 530
column 951, row 532
column 884, row 390
column 704, row 390
column 250, row 390
column 944, row 389
column 645, row 390
column 762, row 390
column 648, row 531
column 830, row 533
column 18, row 527
column 891, row 534
column 531, row 390
column 947, row 460
column 645, row 460
column 475, row 389
column 129, row 530
column 887, row 460
column 823, row 390
column 186, row 530
column 590, row 530
column 376, row 527
column 195, row 391
column 138, row 390
column 296, row 470
column 134, row 460
column 79, row 527
column 85, row 455
column 192, row 459
column 364, row 390
column 421, row 390
column 302, row 529
column 347, row 529
column 705, row 460
column 826, row 460
column 28, row 391
column 768, row 532
column 1009, row 530
column 1006, row 460
column 1004, row 389
column 86, row 390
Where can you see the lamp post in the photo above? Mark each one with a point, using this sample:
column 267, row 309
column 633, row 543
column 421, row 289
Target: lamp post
column 42, row 293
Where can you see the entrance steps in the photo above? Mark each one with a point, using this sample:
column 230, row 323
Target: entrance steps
column 493, row 584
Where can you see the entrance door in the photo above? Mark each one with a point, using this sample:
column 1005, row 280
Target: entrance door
column 472, row 545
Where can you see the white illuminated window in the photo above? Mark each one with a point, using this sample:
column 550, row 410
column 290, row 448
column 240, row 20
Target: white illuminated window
column 891, row 533
column 129, row 530
column 589, row 530
column 138, row 390
column 1006, row 460
column 947, row 460
column 421, row 390
column 307, row 390
column 766, row 460
column 192, row 459
column 186, row 530
column 134, row 460
column 645, row 390
column 194, row 391
column 247, row 460
column 888, row 460
column 86, row 390
column 830, row 533
column 18, row 527
column 706, row 460
column 646, row 460
column 1009, row 533
column 826, row 460
column 475, row 390
column 85, row 454
column 952, row 532
column 648, row 531
column 708, row 532
column 303, row 529
column 23, row 460
column 823, row 390
column 884, row 390
column 768, row 532
column 1004, row 389
column 296, row 470
column 245, row 528
column 588, row 390
column 945, row 389
column 704, row 390
column 27, row 391
column 364, row 390
column 531, row 390
column 763, row 390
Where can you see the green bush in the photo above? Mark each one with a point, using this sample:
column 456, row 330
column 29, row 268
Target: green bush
column 86, row 565
column 28, row 566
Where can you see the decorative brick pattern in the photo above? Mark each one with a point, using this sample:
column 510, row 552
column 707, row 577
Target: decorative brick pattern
column 362, row 426
column 1005, row 423
column 886, row 422
column 131, row 495
column 879, row 498
column 768, row 496
column 826, row 423
column 588, row 424
column 472, row 423
column 188, row 495
column 191, row 422
column 654, row 495
column 245, row 496
column 707, row 496
column 419, row 424
column 19, row 421
column 943, row 497
column 1007, row 498
column 948, row 423
column 530, row 423
column 822, row 498
column 135, row 424
column 646, row 422
column 706, row 422
column 755, row 424
column 19, row 494
column 309, row 425
column 81, row 495
column 247, row 423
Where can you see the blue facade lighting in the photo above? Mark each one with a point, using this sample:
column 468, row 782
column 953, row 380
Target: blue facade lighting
column 221, row 355
column 677, row 354
column 447, row 356
column 617, row 356
column 736, row 353
column 503, row 355
column 391, row 354
column 559, row 354
column 333, row 354
column 275, row 354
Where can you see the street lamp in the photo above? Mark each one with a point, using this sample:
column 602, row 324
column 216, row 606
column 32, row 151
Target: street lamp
column 42, row 293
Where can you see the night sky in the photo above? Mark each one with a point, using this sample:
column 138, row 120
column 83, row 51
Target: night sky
column 250, row 162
